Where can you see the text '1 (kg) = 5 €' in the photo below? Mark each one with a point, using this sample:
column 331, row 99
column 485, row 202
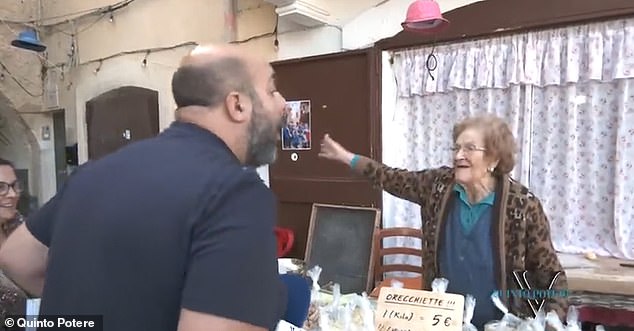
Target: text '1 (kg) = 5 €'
column 405, row 309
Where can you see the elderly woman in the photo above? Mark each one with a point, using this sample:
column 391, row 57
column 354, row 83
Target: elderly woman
column 479, row 225
column 12, row 299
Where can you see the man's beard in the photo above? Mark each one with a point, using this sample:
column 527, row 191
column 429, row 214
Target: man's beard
column 263, row 137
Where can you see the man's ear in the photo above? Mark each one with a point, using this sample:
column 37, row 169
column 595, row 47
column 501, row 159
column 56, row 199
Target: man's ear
column 238, row 107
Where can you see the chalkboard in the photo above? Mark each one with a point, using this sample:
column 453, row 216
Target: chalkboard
column 340, row 242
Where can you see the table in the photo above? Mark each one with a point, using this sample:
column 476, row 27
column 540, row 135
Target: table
column 602, row 289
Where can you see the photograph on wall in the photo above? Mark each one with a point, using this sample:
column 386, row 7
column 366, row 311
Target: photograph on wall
column 296, row 131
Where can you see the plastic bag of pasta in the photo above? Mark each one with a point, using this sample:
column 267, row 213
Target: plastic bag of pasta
column 509, row 322
column 572, row 319
column 312, row 322
column 396, row 284
column 333, row 307
column 552, row 319
column 324, row 319
column 314, row 274
column 534, row 324
column 469, row 307
column 363, row 316
column 335, row 311
column 345, row 316
column 439, row 285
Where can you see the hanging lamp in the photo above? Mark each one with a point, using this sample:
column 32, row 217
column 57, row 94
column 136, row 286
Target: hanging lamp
column 29, row 40
column 424, row 17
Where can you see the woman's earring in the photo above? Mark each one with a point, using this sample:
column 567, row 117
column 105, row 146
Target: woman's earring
column 490, row 169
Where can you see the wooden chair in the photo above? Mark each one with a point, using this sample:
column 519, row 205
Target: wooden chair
column 379, row 267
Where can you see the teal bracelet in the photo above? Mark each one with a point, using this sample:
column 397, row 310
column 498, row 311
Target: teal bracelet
column 354, row 160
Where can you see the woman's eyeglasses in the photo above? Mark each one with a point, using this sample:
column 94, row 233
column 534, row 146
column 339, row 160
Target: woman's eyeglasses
column 5, row 187
column 468, row 148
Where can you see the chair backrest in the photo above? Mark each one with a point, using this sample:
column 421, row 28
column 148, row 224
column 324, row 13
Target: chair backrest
column 379, row 267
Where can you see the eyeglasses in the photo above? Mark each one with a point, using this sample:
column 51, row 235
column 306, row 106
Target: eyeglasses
column 16, row 186
column 468, row 148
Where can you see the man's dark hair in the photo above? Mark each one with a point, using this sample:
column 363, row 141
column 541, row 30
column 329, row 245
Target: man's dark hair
column 208, row 84
column 4, row 162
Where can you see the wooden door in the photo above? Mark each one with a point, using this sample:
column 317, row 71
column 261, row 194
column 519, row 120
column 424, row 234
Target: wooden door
column 119, row 117
column 343, row 90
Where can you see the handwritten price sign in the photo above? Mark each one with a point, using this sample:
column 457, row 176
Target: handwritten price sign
column 408, row 310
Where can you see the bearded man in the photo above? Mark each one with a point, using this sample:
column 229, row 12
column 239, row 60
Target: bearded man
column 173, row 232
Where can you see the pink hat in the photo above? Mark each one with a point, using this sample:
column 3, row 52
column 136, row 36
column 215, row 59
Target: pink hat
column 424, row 16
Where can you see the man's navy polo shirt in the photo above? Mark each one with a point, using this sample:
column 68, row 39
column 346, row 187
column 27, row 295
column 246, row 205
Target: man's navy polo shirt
column 166, row 223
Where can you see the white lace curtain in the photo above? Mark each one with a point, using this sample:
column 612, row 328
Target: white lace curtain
column 568, row 95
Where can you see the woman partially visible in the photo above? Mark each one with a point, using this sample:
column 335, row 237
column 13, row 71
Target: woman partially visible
column 480, row 226
column 12, row 298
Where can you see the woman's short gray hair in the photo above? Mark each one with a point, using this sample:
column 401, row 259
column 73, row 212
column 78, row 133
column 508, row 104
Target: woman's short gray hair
column 498, row 139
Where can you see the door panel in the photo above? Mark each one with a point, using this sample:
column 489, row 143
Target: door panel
column 119, row 117
column 343, row 90
column 59, row 140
